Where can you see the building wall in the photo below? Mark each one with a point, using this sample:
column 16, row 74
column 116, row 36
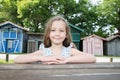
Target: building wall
column 34, row 41
column 10, row 40
column 76, row 37
column 113, row 47
column 0, row 41
column 93, row 45
column 25, row 42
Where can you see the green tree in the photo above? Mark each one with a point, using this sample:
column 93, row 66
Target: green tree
column 84, row 17
column 8, row 11
column 109, row 15
column 33, row 14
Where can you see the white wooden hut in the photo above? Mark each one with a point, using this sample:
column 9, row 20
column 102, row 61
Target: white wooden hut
column 93, row 44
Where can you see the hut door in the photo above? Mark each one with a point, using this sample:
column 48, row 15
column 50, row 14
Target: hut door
column 90, row 45
column 98, row 47
column 31, row 46
column 9, row 46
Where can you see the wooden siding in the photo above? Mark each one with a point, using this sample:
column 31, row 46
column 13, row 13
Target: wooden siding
column 76, row 34
column 10, row 41
column 93, row 45
column 113, row 47
column 34, row 40
column 33, row 45
column 13, row 38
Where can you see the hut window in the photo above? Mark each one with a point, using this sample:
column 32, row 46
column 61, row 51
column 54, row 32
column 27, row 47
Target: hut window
column 13, row 34
column 6, row 34
column 10, row 34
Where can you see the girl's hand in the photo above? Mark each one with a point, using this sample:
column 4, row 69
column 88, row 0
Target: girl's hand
column 50, row 62
column 52, row 59
column 59, row 61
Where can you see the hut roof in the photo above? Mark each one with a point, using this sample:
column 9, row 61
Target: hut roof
column 118, row 33
column 31, row 33
column 112, row 37
column 93, row 36
column 75, row 27
column 8, row 22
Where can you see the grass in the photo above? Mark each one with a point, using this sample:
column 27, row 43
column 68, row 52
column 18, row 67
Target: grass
column 4, row 61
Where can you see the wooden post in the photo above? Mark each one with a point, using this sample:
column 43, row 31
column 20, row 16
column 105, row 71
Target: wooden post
column 7, row 57
column 111, row 59
column 7, row 54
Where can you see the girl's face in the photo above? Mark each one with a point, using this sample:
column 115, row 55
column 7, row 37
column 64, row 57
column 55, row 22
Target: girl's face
column 58, row 32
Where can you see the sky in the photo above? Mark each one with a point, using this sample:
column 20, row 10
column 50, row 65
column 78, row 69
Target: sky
column 94, row 2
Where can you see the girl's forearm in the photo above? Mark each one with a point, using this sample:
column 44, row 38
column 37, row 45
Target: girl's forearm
column 27, row 59
column 81, row 59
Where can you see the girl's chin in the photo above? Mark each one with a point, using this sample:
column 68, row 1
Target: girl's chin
column 57, row 43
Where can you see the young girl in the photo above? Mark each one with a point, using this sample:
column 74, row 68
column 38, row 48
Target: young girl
column 56, row 48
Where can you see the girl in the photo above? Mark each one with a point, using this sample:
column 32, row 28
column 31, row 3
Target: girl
column 56, row 48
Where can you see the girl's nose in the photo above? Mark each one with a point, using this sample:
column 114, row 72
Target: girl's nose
column 57, row 33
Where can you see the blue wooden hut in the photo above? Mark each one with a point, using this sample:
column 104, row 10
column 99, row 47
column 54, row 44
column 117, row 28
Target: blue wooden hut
column 13, row 38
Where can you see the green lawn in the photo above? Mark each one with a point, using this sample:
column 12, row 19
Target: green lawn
column 4, row 62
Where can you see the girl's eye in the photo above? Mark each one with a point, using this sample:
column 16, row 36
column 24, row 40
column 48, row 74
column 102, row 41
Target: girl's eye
column 61, row 30
column 53, row 30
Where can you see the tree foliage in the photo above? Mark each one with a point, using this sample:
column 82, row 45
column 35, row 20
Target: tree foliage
column 8, row 11
column 109, row 15
column 33, row 14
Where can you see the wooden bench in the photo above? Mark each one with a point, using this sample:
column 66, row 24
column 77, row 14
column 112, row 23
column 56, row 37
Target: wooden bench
column 95, row 71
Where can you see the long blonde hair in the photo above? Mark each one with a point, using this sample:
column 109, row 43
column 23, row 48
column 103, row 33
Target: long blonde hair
column 47, row 41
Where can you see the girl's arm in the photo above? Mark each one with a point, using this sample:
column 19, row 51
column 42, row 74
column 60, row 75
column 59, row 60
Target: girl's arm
column 29, row 58
column 35, row 57
column 80, row 57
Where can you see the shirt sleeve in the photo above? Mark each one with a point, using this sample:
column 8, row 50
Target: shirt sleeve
column 41, row 47
column 46, row 51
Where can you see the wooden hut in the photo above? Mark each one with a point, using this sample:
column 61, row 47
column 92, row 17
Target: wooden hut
column 113, row 45
column 93, row 44
column 76, row 34
column 13, row 38
column 34, row 40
